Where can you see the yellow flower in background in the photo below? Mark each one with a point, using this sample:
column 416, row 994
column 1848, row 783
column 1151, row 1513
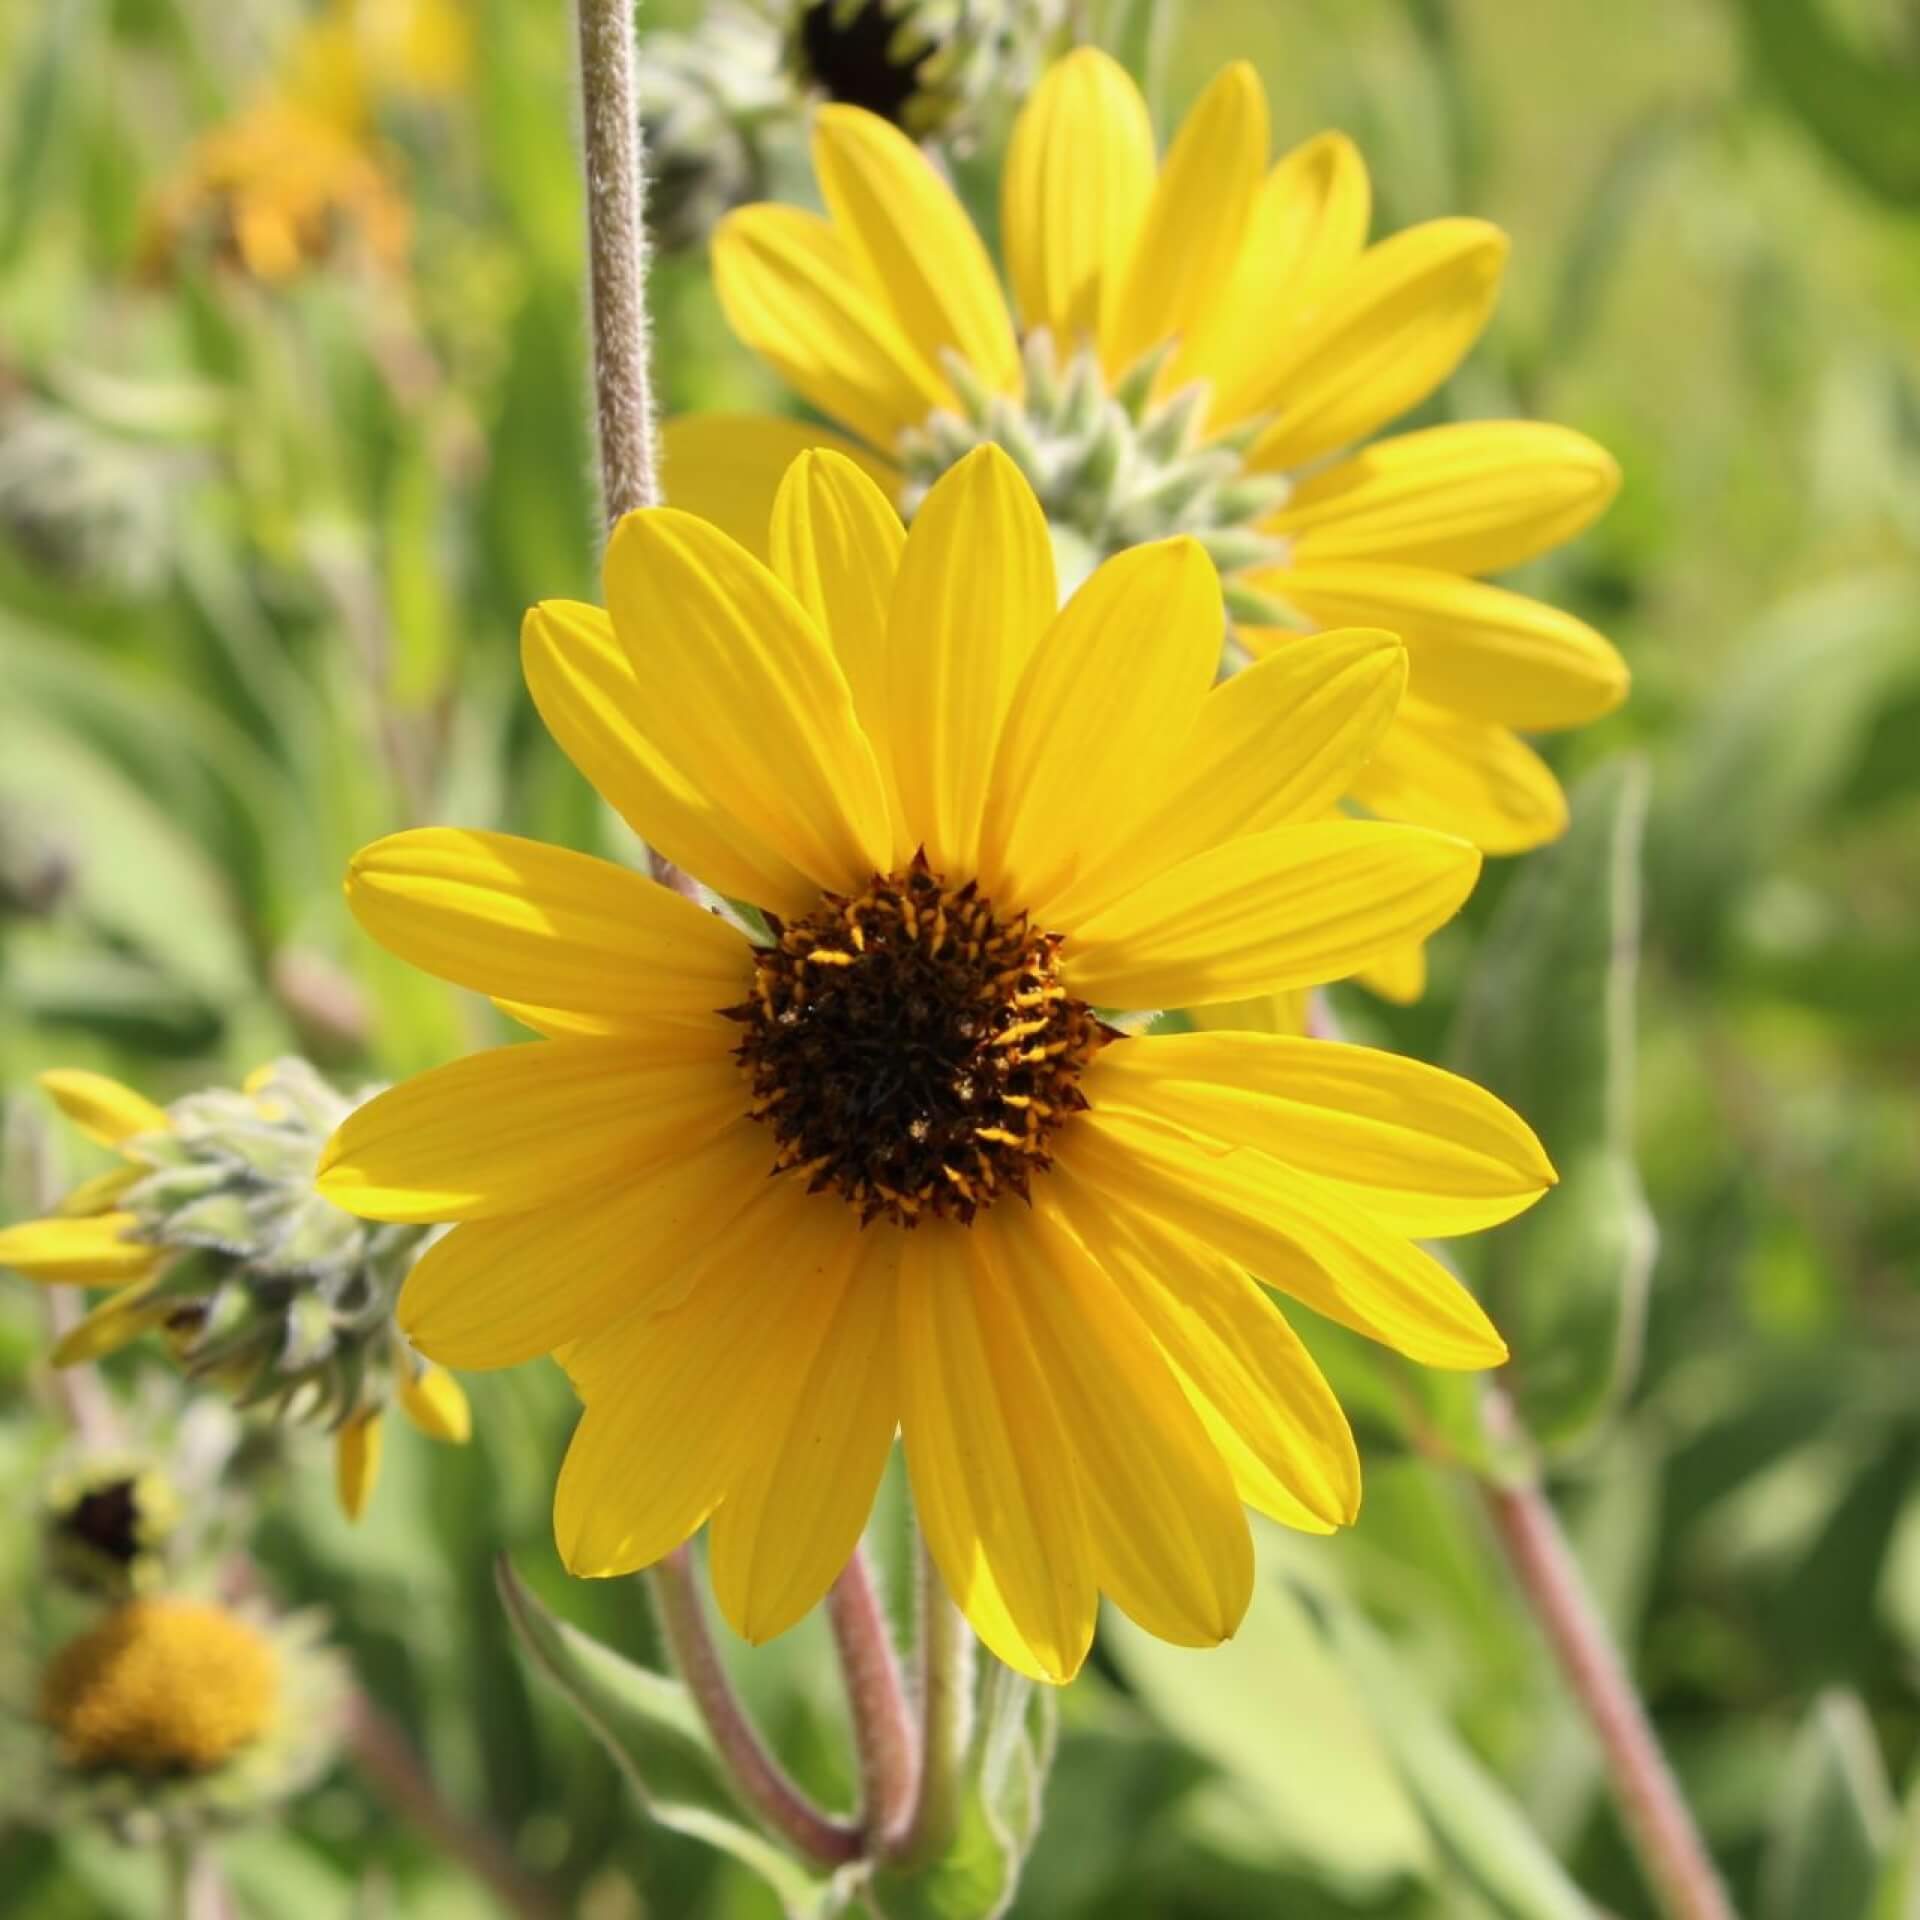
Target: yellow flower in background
column 173, row 1715
column 212, row 1234
column 161, row 1686
column 999, row 1225
column 1200, row 345
column 361, row 55
column 276, row 190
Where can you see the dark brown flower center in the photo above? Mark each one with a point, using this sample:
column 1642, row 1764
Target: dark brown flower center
column 913, row 1049
column 848, row 53
column 107, row 1520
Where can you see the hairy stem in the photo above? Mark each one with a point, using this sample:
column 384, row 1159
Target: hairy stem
column 196, row 1888
column 943, row 1690
column 763, row 1783
column 617, row 257
column 884, row 1735
column 1657, row 1819
column 387, row 1760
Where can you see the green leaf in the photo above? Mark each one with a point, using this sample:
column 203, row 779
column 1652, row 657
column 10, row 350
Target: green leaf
column 1857, row 104
column 652, row 1730
column 1547, row 1023
column 975, row 1878
column 1801, row 702
column 1898, row 1895
column 137, row 877
column 1138, row 33
column 1481, row 1833
column 1305, row 1779
column 1835, row 1822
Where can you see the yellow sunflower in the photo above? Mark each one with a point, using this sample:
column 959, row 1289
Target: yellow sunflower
column 210, row 1233
column 998, row 1222
column 274, row 191
column 1197, row 346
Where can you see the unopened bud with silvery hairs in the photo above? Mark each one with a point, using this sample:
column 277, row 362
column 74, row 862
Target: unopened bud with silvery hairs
column 710, row 100
column 929, row 66
column 212, row 1232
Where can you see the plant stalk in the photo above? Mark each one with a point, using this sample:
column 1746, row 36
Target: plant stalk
column 387, row 1760
column 617, row 257
column 1657, row 1819
column 943, row 1698
column 884, row 1734
column 765, row 1785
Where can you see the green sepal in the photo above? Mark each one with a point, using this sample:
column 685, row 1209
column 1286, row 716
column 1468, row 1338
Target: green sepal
column 976, row 1876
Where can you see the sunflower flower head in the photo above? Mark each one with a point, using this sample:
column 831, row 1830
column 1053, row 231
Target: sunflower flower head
column 884, row 1165
column 212, row 1232
column 1200, row 343
column 108, row 1524
column 173, row 1713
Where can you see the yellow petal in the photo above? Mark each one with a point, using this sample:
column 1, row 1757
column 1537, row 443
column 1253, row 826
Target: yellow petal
column 1384, row 337
column 596, row 709
column 356, row 1463
column 1289, row 1230
column 745, row 693
column 987, row 1451
column 836, row 542
column 1278, row 743
column 90, row 1252
column 1308, row 227
column 1169, row 1538
column 526, row 1126
column 102, row 1109
column 683, row 1399
column 1289, row 908
column 1465, row 777
column 792, row 289
column 726, row 467
column 974, row 594
column 917, row 248
column 121, row 1317
column 1475, row 497
column 1479, row 650
column 1400, row 976
column 536, row 923
column 785, row 1531
column 1114, row 685
column 496, row 1292
column 1258, row 1393
column 435, row 1402
column 99, row 1194
column 1196, row 222
column 1077, row 183
column 1423, row 1151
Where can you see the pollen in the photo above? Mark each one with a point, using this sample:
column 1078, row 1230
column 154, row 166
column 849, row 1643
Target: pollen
column 160, row 1687
column 914, row 1050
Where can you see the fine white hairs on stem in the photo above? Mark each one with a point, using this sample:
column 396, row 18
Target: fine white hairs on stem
column 617, row 258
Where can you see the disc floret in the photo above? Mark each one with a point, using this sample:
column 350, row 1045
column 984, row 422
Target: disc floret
column 914, row 1050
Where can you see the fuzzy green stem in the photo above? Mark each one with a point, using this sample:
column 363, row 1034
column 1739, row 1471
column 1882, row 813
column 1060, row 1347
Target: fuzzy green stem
column 762, row 1782
column 617, row 257
column 1657, row 1819
column 885, row 1738
column 943, row 1698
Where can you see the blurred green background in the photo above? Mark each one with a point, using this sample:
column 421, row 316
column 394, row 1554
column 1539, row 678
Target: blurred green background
column 264, row 551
